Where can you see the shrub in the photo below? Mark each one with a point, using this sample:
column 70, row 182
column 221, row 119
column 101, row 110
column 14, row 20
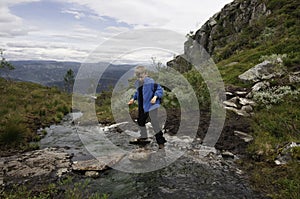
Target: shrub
column 63, row 109
column 13, row 133
column 274, row 95
column 59, row 117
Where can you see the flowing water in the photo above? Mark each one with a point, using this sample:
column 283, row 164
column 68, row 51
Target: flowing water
column 188, row 175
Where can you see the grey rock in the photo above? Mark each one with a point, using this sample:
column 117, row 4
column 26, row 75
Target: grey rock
column 230, row 104
column 245, row 101
column 294, row 77
column 242, row 14
column 241, row 93
column 227, row 154
column 98, row 164
column 260, row 86
column 286, row 153
column 263, row 71
column 139, row 155
column 39, row 163
column 238, row 112
column 244, row 136
column 247, row 108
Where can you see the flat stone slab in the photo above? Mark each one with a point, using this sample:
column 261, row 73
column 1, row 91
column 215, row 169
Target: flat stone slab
column 36, row 163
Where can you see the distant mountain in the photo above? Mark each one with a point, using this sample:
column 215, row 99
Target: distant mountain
column 51, row 73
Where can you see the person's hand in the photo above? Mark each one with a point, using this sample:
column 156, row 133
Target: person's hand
column 131, row 102
column 153, row 100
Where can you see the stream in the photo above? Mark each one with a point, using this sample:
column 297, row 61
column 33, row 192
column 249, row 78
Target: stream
column 184, row 172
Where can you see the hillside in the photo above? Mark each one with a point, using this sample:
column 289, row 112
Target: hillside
column 244, row 31
column 26, row 107
column 247, row 34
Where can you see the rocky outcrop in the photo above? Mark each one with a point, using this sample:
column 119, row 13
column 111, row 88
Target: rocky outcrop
column 47, row 162
column 225, row 26
column 50, row 163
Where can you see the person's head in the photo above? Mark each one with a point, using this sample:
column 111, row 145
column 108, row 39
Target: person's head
column 140, row 72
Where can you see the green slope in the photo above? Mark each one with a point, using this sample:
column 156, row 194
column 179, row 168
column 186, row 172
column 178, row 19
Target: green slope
column 25, row 107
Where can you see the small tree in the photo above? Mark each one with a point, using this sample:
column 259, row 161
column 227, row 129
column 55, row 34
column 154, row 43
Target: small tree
column 5, row 65
column 69, row 80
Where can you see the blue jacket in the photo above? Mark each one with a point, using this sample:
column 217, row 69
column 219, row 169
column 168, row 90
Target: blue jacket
column 148, row 94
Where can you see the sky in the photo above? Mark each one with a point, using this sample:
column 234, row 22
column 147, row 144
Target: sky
column 102, row 30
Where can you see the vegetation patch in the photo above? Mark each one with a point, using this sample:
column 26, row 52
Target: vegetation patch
column 26, row 107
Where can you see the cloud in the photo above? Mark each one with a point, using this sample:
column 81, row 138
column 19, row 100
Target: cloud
column 96, row 23
column 75, row 13
column 12, row 25
column 178, row 15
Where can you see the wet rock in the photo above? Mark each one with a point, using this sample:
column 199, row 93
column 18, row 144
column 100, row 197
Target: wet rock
column 206, row 151
column 139, row 155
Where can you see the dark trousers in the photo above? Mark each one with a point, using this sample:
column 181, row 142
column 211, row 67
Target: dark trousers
column 142, row 119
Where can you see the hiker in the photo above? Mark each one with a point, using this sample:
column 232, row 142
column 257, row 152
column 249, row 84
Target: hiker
column 148, row 95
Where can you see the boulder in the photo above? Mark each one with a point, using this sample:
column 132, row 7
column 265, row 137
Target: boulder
column 263, row 71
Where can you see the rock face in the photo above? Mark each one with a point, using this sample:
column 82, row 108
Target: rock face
column 224, row 27
column 39, row 163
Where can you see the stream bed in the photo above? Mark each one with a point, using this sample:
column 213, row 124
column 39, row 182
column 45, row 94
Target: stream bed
column 186, row 174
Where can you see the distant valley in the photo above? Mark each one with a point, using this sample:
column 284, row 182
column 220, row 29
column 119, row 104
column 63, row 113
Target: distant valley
column 51, row 73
